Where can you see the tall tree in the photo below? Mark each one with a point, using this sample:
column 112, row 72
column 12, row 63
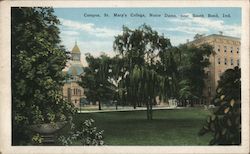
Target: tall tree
column 96, row 80
column 167, row 66
column 192, row 67
column 37, row 61
column 140, row 49
column 116, row 78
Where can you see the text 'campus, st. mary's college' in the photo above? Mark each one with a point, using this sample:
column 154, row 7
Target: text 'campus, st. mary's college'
column 166, row 15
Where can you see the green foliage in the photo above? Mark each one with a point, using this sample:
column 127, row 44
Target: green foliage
column 192, row 62
column 37, row 139
column 89, row 135
column 141, row 81
column 69, row 137
column 86, row 133
column 225, row 123
column 185, row 90
column 37, row 61
column 96, row 81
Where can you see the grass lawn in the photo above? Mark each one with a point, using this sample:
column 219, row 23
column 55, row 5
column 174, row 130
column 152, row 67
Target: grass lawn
column 168, row 127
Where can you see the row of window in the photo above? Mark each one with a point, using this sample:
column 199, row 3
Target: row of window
column 231, row 61
column 231, row 49
column 74, row 91
column 227, row 41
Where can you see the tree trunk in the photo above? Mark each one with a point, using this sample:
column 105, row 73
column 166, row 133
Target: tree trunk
column 192, row 103
column 116, row 105
column 99, row 104
column 148, row 117
column 151, row 110
column 185, row 103
column 134, row 105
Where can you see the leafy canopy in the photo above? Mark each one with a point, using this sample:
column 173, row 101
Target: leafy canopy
column 225, row 122
column 37, row 61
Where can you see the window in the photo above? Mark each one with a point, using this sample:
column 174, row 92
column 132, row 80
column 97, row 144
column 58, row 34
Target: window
column 225, row 61
column 225, row 48
column 238, row 50
column 231, row 49
column 218, row 60
column 238, row 62
column 77, row 91
column 218, row 48
column 232, row 61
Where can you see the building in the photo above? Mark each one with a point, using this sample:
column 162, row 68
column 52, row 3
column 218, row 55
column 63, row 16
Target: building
column 225, row 55
column 71, row 89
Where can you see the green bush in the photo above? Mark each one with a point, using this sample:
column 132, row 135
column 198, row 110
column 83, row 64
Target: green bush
column 225, row 122
column 86, row 133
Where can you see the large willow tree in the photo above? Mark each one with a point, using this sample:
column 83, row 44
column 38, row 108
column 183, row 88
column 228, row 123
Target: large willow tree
column 37, row 61
column 142, row 81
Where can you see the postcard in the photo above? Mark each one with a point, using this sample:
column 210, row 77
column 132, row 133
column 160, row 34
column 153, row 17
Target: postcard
column 124, row 77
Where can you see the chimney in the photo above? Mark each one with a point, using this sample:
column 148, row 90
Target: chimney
column 220, row 32
column 187, row 40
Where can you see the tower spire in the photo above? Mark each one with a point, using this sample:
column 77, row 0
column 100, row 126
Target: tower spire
column 75, row 42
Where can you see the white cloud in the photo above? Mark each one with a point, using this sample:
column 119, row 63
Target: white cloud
column 186, row 29
column 177, row 40
column 76, row 25
column 70, row 33
column 90, row 28
column 192, row 24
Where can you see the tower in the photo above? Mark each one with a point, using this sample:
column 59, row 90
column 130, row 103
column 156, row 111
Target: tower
column 72, row 91
column 75, row 53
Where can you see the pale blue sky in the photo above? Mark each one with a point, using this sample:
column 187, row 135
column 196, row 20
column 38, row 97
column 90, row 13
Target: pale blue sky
column 96, row 34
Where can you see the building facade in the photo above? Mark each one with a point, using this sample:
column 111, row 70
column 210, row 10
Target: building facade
column 72, row 91
column 225, row 55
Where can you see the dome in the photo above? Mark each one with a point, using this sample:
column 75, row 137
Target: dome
column 76, row 49
column 75, row 70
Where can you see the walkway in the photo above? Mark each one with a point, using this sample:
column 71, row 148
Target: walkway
column 112, row 109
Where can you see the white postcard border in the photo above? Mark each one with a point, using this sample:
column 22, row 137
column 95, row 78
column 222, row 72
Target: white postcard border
column 5, row 87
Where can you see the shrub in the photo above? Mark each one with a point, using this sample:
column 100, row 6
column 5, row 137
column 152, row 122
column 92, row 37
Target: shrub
column 86, row 133
column 225, row 122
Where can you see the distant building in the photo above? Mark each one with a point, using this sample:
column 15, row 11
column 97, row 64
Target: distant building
column 225, row 55
column 71, row 89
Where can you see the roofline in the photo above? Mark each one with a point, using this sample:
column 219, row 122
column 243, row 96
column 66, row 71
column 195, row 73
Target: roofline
column 216, row 35
column 236, row 38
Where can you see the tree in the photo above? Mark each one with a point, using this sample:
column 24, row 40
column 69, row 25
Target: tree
column 98, row 87
column 225, row 122
column 192, row 66
column 167, row 66
column 37, row 61
column 198, row 36
column 116, row 78
column 185, row 92
column 140, row 48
